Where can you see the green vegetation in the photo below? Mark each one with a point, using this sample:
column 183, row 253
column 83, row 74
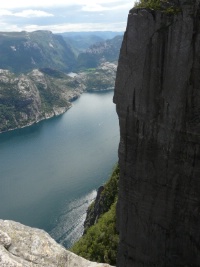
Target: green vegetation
column 110, row 192
column 106, row 51
column 26, row 99
column 107, row 197
column 152, row 4
column 166, row 6
column 50, row 98
column 11, row 104
column 101, row 239
column 90, row 70
column 53, row 73
column 99, row 79
column 22, row 52
column 31, row 97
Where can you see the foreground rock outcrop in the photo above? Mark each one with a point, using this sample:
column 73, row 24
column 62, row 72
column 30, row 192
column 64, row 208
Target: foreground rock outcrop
column 23, row 246
column 157, row 97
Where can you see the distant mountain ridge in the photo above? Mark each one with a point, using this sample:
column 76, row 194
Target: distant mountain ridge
column 100, row 52
column 81, row 41
column 34, row 84
column 23, row 51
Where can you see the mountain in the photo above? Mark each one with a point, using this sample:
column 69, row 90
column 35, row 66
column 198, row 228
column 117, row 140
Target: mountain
column 101, row 34
column 43, row 93
column 157, row 96
column 34, row 86
column 80, row 43
column 83, row 40
column 99, row 78
column 38, row 95
column 23, row 51
column 100, row 52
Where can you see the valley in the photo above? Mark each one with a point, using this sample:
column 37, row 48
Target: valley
column 35, row 80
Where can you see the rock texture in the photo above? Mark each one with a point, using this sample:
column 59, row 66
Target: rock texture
column 101, row 78
column 106, row 197
column 99, row 53
column 23, row 246
column 157, row 97
column 43, row 93
column 94, row 211
column 38, row 95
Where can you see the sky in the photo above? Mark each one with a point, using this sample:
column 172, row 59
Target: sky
column 64, row 15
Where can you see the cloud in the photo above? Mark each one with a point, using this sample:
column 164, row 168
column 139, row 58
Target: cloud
column 4, row 12
column 32, row 14
column 98, row 8
column 12, row 4
column 29, row 13
column 58, row 28
column 9, row 28
column 93, row 8
column 64, row 15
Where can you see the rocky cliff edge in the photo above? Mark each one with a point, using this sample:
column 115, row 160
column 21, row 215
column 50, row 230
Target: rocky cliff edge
column 23, row 246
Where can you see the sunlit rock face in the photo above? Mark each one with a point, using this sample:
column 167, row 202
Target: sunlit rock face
column 26, row 99
column 157, row 97
column 23, row 246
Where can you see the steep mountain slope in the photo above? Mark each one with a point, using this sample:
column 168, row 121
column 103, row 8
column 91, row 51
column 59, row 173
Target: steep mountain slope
column 26, row 99
column 157, row 95
column 24, row 51
column 80, row 43
column 30, row 97
column 100, row 239
column 83, row 40
column 100, row 52
column 44, row 93
column 100, row 78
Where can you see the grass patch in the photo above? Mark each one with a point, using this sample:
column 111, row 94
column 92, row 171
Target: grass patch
column 166, row 6
column 100, row 241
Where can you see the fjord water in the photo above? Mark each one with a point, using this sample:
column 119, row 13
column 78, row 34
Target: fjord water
column 49, row 172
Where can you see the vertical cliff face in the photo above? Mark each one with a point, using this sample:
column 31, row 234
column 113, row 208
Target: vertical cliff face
column 157, row 97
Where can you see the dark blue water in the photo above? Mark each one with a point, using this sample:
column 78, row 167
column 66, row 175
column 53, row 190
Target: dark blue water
column 49, row 172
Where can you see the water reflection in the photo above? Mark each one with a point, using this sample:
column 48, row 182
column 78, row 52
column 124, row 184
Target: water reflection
column 50, row 165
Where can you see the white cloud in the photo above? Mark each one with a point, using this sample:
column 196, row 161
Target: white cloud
column 9, row 28
column 98, row 8
column 12, row 4
column 5, row 12
column 74, row 27
column 14, row 13
column 93, row 8
column 32, row 13
column 29, row 13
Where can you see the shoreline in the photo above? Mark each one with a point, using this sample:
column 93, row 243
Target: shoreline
column 55, row 112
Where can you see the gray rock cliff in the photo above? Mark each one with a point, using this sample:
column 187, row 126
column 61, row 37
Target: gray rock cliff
column 157, row 97
column 23, row 246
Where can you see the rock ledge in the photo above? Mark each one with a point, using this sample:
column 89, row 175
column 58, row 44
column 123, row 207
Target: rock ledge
column 23, row 246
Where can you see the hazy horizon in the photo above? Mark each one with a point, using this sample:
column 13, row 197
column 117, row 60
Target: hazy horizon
column 60, row 16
